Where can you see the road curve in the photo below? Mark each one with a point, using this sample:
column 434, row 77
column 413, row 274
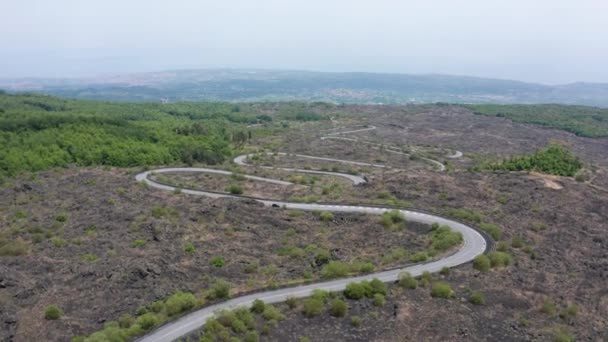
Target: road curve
column 473, row 245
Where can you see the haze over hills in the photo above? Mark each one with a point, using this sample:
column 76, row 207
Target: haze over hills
column 281, row 85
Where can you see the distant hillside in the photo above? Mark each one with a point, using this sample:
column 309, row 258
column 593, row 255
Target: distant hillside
column 263, row 85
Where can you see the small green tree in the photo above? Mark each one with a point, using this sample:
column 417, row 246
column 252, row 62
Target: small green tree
column 52, row 312
column 442, row 290
column 338, row 307
column 482, row 263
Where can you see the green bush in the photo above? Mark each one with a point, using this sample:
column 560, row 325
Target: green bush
column 548, row 307
column 499, row 259
column 251, row 336
column 393, row 220
column 235, row 189
column 189, row 247
column 355, row 321
column 561, row 334
column 394, row 255
column 441, row 290
column 217, row 261
column 493, row 230
column 180, row 302
column 271, row 313
column 517, row 242
column 258, row 306
column 356, row 290
column 554, row 160
column 334, row 269
column 138, row 243
column 219, row 290
column 465, row 214
column 312, row 307
column 15, row 247
column 477, row 298
column 419, row 257
column 482, row 263
column 326, row 216
column 407, row 281
column 147, row 321
column 443, row 238
column 379, row 300
column 338, row 308
column 52, row 312
column 570, row 311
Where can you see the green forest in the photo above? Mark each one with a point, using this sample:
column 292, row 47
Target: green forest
column 40, row 132
column 554, row 160
column 584, row 121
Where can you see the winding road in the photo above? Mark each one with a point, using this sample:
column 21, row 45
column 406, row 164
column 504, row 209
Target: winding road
column 474, row 244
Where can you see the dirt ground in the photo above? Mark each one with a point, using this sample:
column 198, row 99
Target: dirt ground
column 100, row 245
column 562, row 224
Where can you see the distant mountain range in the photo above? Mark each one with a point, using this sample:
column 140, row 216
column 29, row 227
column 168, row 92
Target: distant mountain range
column 344, row 87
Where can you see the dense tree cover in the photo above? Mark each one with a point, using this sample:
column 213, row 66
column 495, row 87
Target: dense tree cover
column 581, row 120
column 39, row 132
column 555, row 160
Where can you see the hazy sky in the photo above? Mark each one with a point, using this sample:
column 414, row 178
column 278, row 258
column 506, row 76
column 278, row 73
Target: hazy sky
column 548, row 41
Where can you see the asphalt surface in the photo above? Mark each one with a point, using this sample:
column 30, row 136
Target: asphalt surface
column 473, row 245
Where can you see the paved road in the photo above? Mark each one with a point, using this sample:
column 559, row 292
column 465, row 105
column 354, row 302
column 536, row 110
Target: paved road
column 473, row 245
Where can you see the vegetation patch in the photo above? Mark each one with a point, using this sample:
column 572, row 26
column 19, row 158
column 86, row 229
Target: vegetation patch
column 553, row 160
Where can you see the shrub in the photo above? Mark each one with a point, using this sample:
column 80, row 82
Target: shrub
column 377, row 287
column 322, row 256
column 465, row 214
column 561, row 334
column 379, row 300
column 157, row 306
column 219, row 290
column 326, row 216
column 393, row 219
column 334, row 269
column 445, row 271
column 355, row 321
column 52, row 312
column 493, row 230
column 443, row 238
column 517, row 242
column 442, row 290
column 126, row 321
column 235, row 189
column 570, row 311
column 407, row 281
column 147, row 321
column 58, row 242
column 89, row 257
column 548, row 307
column 238, row 326
column 499, row 259
column 291, row 302
column 15, row 247
column 189, row 247
column 395, row 254
column 477, row 298
column 180, row 302
column 338, row 308
column 312, row 307
column 419, row 257
column 245, row 315
column 217, row 261
column 482, row 263
column 138, row 243
column 355, row 290
column 251, row 336
column 61, row 218
column 258, row 306
column 321, row 295
column 271, row 313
